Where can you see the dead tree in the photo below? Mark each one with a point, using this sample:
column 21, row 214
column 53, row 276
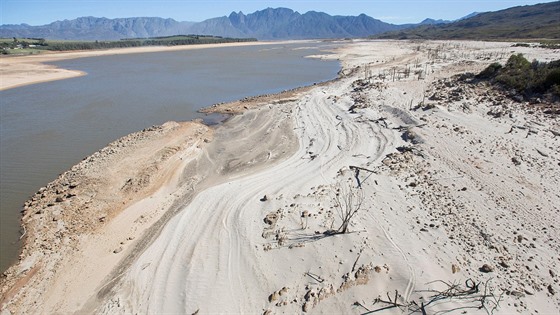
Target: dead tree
column 348, row 201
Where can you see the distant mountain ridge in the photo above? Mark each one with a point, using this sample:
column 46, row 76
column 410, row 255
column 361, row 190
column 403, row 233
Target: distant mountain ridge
column 541, row 20
column 93, row 28
column 279, row 23
column 522, row 22
column 285, row 23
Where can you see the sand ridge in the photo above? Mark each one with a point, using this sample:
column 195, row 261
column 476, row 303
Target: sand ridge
column 459, row 208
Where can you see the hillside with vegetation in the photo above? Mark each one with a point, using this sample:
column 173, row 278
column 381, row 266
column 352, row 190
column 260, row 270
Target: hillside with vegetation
column 525, row 80
column 538, row 21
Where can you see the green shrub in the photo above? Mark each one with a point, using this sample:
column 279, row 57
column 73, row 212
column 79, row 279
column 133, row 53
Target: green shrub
column 526, row 78
column 490, row 71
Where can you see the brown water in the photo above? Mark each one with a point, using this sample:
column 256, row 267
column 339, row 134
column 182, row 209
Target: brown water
column 46, row 128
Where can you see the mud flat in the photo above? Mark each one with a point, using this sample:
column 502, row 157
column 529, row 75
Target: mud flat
column 458, row 205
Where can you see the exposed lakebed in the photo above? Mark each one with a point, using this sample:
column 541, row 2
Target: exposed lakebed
column 46, row 128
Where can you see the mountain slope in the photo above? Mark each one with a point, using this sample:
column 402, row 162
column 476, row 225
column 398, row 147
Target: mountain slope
column 279, row 23
column 535, row 21
column 282, row 23
column 92, row 28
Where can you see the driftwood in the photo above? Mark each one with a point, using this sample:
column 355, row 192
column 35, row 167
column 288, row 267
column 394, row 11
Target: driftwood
column 542, row 153
column 314, row 277
column 472, row 292
column 357, row 170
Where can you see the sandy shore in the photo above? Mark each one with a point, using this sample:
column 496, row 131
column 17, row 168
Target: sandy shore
column 18, row 71
column 458, row 205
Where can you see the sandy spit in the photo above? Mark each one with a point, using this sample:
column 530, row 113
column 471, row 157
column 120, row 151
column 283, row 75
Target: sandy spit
column 16, row 71
column 458, row 205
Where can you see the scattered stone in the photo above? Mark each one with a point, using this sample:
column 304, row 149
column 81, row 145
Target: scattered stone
column 271, row 218
column 486, row 268
column 283, row 291
column 273, row 297
column 455, row 268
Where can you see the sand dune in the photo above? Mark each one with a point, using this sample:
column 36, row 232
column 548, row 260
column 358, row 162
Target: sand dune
column 459, row 208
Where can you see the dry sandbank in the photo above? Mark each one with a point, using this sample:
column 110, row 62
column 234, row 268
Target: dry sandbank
column 18, row 71
column 235, row 219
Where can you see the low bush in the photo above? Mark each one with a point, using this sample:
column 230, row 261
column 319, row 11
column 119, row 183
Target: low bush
column 528, row 79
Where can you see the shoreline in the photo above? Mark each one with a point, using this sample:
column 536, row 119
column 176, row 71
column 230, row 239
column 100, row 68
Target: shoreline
column 198, row 215
column 17, row 71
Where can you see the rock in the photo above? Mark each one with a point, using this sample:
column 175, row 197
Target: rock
column 267, row 312
column 409, row 135
column 552, row 273
column 271, row 218
column 118, row 250
column 486, row 268
column 455, row 268
column 264, row 198
column 306, row 307
column 273, row 297
column 283, row 291
column 59, row 199
column 551, row 289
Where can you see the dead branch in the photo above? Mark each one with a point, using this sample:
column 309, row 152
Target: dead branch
column 472, row 294
column 314, row 277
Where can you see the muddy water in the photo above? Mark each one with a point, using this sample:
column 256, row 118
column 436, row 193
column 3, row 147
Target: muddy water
column 46, row 128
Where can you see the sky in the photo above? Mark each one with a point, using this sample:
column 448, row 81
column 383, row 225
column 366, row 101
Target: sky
column 39, row 12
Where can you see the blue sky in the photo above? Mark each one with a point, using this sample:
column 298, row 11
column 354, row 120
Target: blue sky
column 38, row 12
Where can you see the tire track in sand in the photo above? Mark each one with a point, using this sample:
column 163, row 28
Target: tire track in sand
column 208, row 256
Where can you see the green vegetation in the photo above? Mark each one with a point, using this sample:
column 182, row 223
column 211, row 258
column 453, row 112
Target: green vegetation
column 36, row 45
column 528, row 79
column 540, row 21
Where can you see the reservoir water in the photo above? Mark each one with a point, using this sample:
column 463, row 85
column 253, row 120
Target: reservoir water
column 46, row 128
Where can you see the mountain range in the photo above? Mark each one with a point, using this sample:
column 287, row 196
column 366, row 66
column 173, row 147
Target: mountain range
column 535, row 21
column 268, row 24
